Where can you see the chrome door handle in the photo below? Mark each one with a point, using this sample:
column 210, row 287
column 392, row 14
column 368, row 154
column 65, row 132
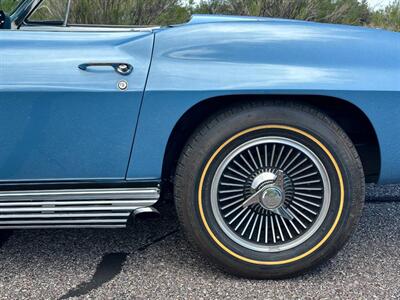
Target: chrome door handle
column 120, row 68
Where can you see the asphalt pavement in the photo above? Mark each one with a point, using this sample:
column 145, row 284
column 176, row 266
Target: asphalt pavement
column 153, row 261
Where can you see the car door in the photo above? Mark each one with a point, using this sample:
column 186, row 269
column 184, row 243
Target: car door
column 69, row 103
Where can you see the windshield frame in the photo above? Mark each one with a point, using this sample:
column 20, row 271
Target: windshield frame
column 24, row 8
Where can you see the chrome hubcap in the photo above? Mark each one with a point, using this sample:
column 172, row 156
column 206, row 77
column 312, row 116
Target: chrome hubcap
column 270, row 194
column 272, row 198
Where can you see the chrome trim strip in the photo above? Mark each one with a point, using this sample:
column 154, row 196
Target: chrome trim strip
column 69, row 208
column 69, row 222
column 64, row 215
column 81, row 194
column 74, row 203
column 62, row 226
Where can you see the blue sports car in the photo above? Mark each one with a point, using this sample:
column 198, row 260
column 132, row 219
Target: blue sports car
column 264, row 130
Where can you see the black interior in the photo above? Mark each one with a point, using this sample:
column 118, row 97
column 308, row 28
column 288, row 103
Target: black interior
column 5, row 22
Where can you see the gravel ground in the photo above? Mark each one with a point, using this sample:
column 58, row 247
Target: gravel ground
column 154, row 261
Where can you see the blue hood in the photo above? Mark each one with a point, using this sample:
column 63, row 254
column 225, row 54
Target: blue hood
column 209, row 19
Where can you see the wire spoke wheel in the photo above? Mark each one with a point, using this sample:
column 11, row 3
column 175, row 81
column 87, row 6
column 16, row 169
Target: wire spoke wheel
column 270, row 194
column 277, row 189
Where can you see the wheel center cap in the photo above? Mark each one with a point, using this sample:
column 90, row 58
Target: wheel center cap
column 272, row 198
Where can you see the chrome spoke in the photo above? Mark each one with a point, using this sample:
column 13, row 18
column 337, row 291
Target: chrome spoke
column 237, row 172
column 300, row 213
column 241, row 167
column 279, row 156
column 252, row 159
column 308, row 195
column 259, row 157
column 230, row 191
column 260, row 228
column 302, row 170
column 291, row 162
column 242, row 220
column 234, row 178
column 246, row 162
column 308, row 189
column 230, row 198
column 296, row 166
column 286, row 158
column 287, row 228
column 305, row 208
column 306, row 201
column 248, row 223
column 295, row 227
column 272, row 155
column 273, row 229
column 304, row 176
column 307, row 182
column 232, row 184
column 238, row 215
column 232, row 204
column 298, row 220
column 233, row 210
column 279, row 228
column 254, row 226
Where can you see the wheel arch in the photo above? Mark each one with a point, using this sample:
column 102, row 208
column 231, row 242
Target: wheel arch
column 359, row 128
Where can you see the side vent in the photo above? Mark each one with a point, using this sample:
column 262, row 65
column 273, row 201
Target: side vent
column 83, row 208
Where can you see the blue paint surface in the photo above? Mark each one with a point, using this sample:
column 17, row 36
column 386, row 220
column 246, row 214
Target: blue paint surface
column 212, row 57
column 59, row 123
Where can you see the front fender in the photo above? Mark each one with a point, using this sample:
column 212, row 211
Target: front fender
column 200, row 61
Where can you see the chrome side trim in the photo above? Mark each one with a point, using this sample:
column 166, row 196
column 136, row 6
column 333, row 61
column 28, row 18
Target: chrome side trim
column 69, row 222
column 64, row 215
column 87, row 207
column 79, row 202
column 60, row 226
column 82, row 194
column 77, row 208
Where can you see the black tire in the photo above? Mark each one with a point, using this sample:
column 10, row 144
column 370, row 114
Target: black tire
column 224, row 132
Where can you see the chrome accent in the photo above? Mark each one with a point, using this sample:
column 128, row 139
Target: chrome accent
column 121, row 68
column 60, row 226
column 269, row 191
column 123, row 85
column 83, row 28
column 272, row 198
column 263, row 178
column 146, row 210
column 82, row 194
column 241, row 202
column 74, row 208
column 67, row 13
column 68, row 215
